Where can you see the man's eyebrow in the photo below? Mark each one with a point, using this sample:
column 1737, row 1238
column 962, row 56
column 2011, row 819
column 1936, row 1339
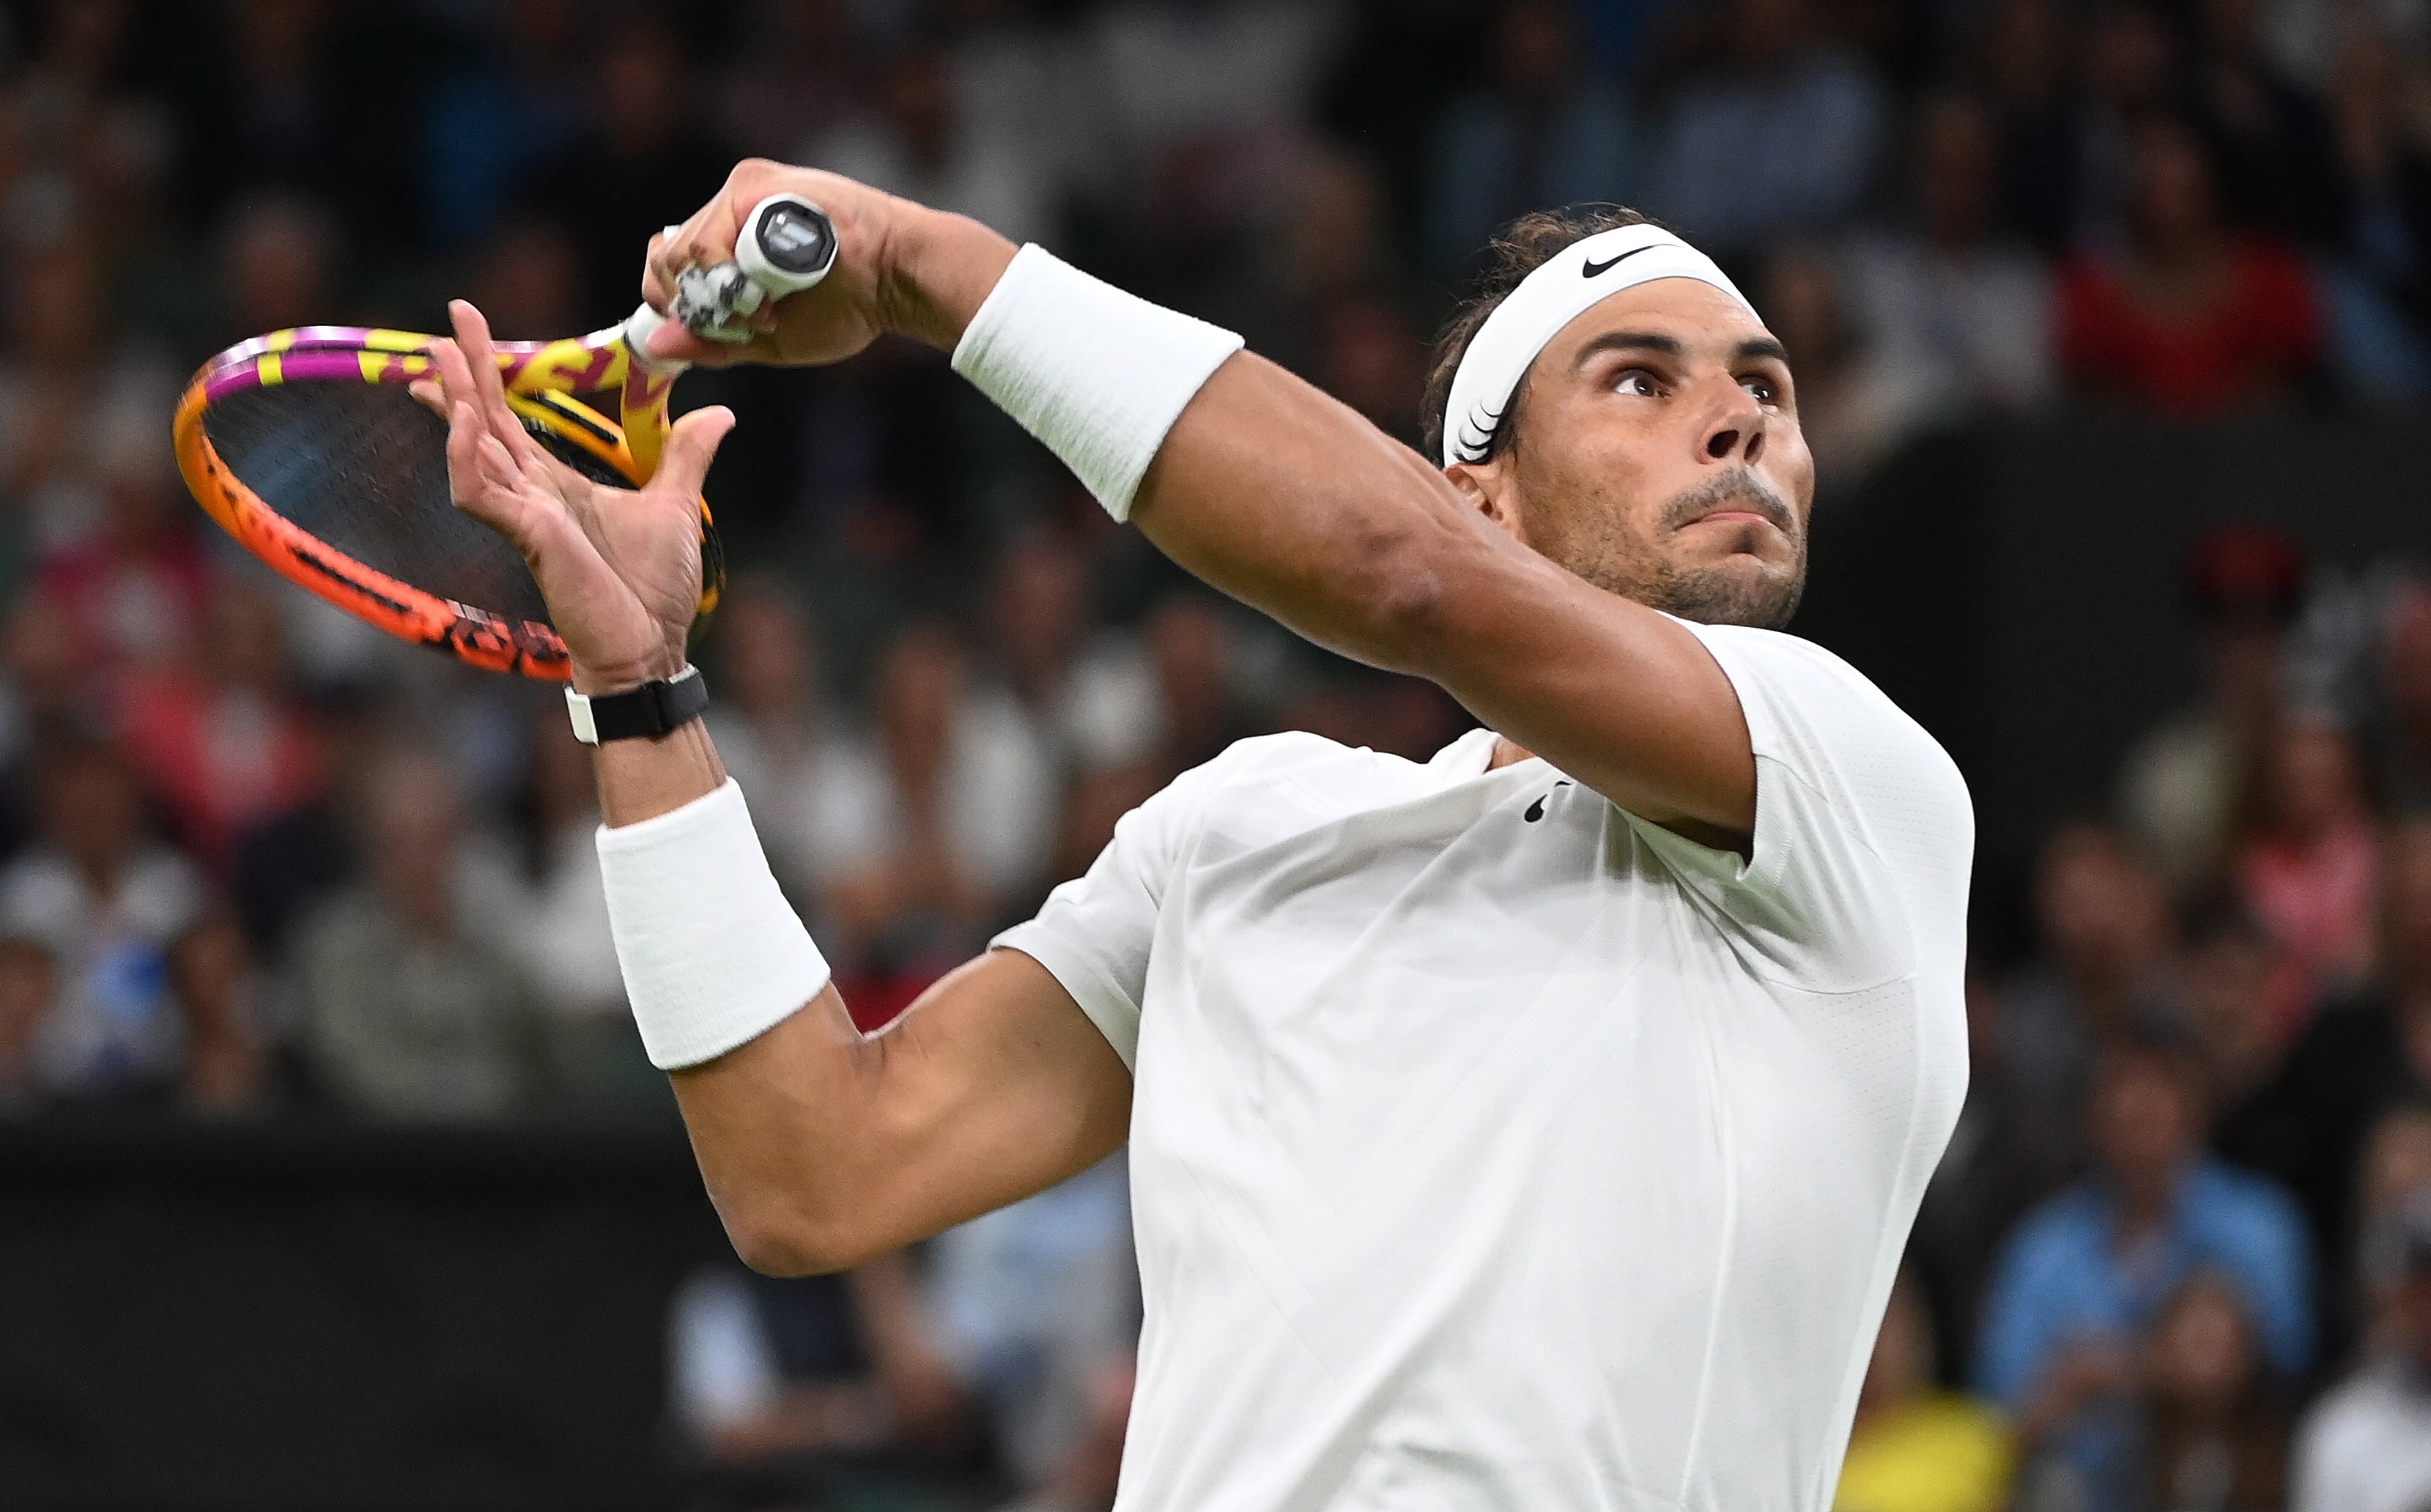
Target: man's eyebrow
column 1633, row 340
column 1761, row 346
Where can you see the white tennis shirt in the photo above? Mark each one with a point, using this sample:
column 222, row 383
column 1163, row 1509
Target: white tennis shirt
column 1493, row 1149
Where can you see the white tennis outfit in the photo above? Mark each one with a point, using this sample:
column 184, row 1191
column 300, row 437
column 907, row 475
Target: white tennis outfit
column 1493, row 1149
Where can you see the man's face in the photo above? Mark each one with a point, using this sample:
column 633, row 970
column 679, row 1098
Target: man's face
column 1657, row 455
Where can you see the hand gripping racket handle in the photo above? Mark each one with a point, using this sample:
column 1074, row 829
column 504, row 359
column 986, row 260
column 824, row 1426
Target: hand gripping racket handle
column 787, row 246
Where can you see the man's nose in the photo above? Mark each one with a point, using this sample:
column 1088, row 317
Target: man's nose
column 1735, row 432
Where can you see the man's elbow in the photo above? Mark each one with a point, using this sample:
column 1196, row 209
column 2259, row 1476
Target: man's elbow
column 1401, row 598
column 776, row 1240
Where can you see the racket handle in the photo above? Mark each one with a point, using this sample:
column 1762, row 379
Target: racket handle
column 787, row 246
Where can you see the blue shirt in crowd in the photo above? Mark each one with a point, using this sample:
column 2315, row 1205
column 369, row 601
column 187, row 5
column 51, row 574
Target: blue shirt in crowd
column 2062, row 1277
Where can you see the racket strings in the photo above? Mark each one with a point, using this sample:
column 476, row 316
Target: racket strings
column 365, row 469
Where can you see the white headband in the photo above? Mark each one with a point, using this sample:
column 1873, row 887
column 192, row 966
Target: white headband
column 1560, row 290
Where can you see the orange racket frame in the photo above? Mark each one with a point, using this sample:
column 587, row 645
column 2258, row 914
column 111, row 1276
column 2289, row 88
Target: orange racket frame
column 541, row 378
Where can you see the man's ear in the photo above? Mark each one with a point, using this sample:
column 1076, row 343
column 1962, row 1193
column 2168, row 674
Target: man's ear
column 1486, row 486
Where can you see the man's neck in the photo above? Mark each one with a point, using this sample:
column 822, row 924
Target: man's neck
column 1508, row 752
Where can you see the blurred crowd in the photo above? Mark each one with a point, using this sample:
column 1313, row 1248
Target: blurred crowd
column 256, row 860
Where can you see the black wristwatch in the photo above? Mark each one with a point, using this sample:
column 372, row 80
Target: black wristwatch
column 644, row 712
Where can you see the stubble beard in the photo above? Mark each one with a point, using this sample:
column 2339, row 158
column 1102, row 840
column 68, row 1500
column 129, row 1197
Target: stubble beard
column 1725, row 592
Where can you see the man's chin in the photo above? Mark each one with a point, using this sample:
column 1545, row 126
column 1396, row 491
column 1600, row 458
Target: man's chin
column 1739, row 588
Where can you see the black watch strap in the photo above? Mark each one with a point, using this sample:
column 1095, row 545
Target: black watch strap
column 644, row 712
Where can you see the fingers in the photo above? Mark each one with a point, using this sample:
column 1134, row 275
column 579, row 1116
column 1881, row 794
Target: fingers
column 480, row 357
column 691, row 446
column 656, row 292
column 473, row 476
column 676, row 342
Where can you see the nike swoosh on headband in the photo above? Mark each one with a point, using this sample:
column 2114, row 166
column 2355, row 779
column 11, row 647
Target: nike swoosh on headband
column 1594, row 269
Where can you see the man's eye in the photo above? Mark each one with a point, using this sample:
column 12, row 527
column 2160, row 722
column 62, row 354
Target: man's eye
column 1763, row 388
column 1638, row 381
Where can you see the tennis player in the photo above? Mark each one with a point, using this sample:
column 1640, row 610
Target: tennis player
column 1533, row 1128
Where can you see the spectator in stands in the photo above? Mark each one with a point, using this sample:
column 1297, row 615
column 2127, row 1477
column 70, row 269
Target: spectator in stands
column 1036, row 1312
column 2363, row 1054
column 28, row 987
column 2238, row 984
column 560, row 939
column 278, row 256
column 2026, row 56
column 2385, row 171
column 219, row 732
column 1085, row 696
column 46, row 691
column 2377, row 195
column 1782, row 135
column 76, row 399
column 2214, row 1419
column 1193, row 648
column 133, row 587
column 1856, row 401
column 922, row 144
column 936, row 825
column 2366, row 1447
column 1952, row 297
column 1373, row 360
column 505, row 110
column 2107, row 962
column 2085, row 1274
column 1917, row 1447
column 2399, row 735
column 798, row 67
column 2182, row 781
column 527, row 281
column 1333, row 248
column 106, row 900
column 2012, row 1149
column 224, row 1064
column 1543, row 128
column 643, row 162
column 2278, row 168
column 412, row 1008
column 291, row 862
column 825, row 1388
column 2308, row 866
column 2132, row 70
column 2193, row 318
column 770, row 729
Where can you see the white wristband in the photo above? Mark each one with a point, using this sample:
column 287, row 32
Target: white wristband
column 711, row 952
column 1097, row 374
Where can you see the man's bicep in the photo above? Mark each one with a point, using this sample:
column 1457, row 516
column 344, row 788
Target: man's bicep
column 994, row 1086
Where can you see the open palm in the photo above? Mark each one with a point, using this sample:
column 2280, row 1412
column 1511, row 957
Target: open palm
column 620, row 570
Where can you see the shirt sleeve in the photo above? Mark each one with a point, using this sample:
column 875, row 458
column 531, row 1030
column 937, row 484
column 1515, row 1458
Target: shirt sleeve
column 1094, row 932
column 1864, row 837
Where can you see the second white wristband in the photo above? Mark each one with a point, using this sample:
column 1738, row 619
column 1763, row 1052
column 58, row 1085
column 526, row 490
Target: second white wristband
column 712, row 954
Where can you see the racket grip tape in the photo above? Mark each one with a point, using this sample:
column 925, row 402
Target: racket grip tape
column 788, row 245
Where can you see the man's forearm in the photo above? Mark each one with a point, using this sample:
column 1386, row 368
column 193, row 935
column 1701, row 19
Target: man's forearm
column 643, row 779
column 1265, row 488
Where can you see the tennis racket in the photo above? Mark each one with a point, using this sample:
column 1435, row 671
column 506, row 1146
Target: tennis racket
column 307, row 447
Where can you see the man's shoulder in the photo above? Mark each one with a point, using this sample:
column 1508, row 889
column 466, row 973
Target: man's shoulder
column 1808, row 708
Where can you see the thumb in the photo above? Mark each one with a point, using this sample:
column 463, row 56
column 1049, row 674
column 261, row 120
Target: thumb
column 692, row 446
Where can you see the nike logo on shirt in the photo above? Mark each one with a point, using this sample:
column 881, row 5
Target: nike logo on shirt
column 1592, row 268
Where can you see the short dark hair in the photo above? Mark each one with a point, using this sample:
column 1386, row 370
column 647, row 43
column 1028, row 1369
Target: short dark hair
column 1518, row 250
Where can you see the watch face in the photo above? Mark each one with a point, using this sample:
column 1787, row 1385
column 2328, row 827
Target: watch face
column 797, row 239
